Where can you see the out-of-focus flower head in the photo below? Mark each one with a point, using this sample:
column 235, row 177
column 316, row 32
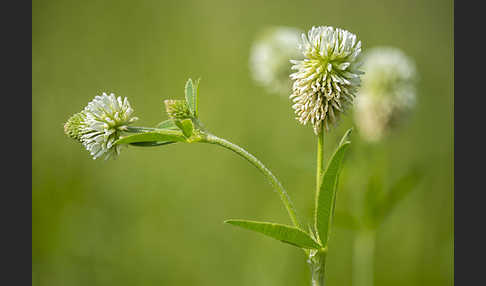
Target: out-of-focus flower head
column 100, row 124
column 387, row 94
column 327, row 79
column 270, row 55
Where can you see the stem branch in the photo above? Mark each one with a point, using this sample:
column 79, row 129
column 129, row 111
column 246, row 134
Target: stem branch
column 212, row 139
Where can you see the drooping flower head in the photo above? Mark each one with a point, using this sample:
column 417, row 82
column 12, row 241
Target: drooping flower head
column 326, row 81
column 387, row 95
column 100, row 124
column 270, row 55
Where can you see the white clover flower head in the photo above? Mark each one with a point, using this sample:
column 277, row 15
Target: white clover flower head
column 100, row 124
column 270, row 55
column 326, row 81
column 387, row 95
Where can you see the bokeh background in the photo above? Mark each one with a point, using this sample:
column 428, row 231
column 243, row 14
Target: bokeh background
column 155, row 216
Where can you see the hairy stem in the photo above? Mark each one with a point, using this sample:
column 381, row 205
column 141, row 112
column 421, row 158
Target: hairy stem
column 319, row 168
column 317, row 263
column 212, row 139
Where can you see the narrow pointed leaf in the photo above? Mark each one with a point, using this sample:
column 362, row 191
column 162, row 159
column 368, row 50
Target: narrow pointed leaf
column 190, row 96
column 345, row 137
column 153, row 136
column 325, row 198
column 196, row 97
column 185, row 126
column 152, row 144
column 284, row 233
column 167, row 124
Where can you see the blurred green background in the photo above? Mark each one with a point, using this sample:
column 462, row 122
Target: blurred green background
column 155, row 216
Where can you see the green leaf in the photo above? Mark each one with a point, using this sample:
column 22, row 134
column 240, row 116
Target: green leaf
column 167, row 124
column 398, row 192
column 346, row 137
column 196, row 97
column 191, row 97
column 284, row 233
column 325, row 198
column 152, row 144
column 186, row 126
column 162, row 135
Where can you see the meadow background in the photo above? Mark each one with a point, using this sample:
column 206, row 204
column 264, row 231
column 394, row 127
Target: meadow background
column 155, row 216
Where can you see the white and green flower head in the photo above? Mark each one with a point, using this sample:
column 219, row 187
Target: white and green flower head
column 270, row 55
column 327, row 79
column 387, row 95
column 100, row 124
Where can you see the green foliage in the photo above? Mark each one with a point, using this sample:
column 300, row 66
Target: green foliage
column 185, row 126
column 378, row 204
column 152, row 144
column 284, row 233
column 161, row 135
column 167, row 124
column 196, row 94
column 325, row 198
column 191, row 96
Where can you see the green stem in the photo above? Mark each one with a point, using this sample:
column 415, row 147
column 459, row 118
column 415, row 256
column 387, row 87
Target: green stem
column 363, row 258
column 317, row 260
column 320, row 158
column 212, row 139
column 317, row 263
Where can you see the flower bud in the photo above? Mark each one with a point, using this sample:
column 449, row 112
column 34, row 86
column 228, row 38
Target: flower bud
column 177, row 109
